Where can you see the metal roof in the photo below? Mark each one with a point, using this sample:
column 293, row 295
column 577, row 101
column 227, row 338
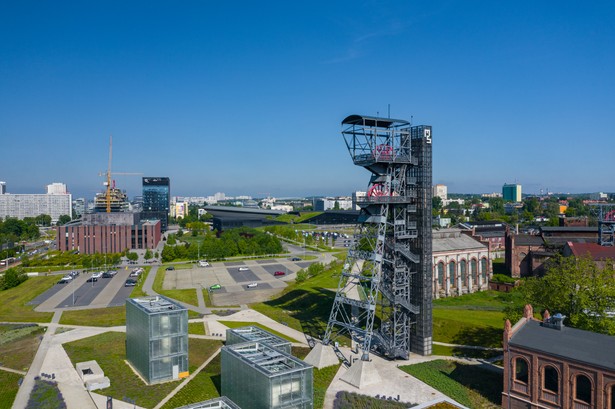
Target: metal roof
column 374, row 121
column 217, row 403
column 255, row 334
column 156, row 304
column 453, row 240
column 570, row 343
column 528, row 240
column 266, row 359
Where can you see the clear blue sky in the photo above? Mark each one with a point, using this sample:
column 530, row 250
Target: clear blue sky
column 247, row 97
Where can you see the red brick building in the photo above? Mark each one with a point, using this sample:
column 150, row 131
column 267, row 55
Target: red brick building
column 548, row 365
column 109, row 234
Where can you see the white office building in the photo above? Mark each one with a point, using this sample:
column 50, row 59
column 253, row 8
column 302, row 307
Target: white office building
column 56, row 189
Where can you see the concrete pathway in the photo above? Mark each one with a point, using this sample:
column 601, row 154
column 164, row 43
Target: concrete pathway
column 18, row 372
column 23, row 394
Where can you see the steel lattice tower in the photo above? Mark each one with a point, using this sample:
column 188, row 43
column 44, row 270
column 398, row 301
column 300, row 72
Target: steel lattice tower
column 383, row 300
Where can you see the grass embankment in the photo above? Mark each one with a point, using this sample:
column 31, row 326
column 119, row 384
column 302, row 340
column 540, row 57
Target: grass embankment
column 238, row 324
column 18, row 345
column 109, row 351
column 469, row 385
column 205, row 385
column 188, row 295
column 304, row 306
column 472, row 319
column 14, row 308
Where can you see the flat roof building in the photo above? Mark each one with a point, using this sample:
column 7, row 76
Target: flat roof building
column 157, row 200
column 19, row 206
column 218, row 403
column 511, row 193
column 256, row 375
column 157, row 338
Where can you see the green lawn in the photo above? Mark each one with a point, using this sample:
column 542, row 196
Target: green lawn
column 304, row 306
column 98, row 317
column 137, row 291
column 18, row 346
column 109, row 351
column 472, row 319
column 14, row 308
column 322, row 379
column 469, row 385
column 205, row 385
column 464, row 352
column 8, row 388
column 237, row 324
column 196, row 328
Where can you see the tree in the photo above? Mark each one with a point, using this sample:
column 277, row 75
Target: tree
column 43, row 220
column 496, row 205
column 12, row 278
column 436, row 205
column 62, row 220
column 132, row 256
column 578, row 289
column 148, row 254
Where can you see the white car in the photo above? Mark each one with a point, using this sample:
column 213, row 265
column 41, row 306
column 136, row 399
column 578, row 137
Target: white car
column 203, row 263
column 244, row 269
column 67, row 277
column 97, row 274
column 252, row 285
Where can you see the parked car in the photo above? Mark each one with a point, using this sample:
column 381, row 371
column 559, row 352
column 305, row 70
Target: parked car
column 279, row 273
column 170, row 268
column 92, row 279
column 109, row 274
column 97, row 275
column 130, row 282
column 252, row 285
column 243, row 269
column 63, row 281
column 67, row 277
column 295, row 259
column 203, row 263
column 136, row 272
column 215, row 287
column 74, row 273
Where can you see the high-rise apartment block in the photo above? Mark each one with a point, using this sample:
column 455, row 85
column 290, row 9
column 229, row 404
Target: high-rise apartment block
column 157, row 200
column 157, row 338
column 56, row 189
column 440, row 191
column 511, row 192
column 20, row 206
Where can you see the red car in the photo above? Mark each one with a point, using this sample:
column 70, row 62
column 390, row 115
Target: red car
column 279, row 273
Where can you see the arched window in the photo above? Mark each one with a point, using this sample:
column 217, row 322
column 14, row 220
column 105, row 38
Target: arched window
column 550, row 379
column 440, row 273
column 521, row 370
column 474, row 269
column 612, row 389
column 451, row 273
column 483, row 267
column 462, row 271
column 583, row 389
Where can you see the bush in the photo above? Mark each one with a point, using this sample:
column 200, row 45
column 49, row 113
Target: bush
column 12, row 278
column 501, row 278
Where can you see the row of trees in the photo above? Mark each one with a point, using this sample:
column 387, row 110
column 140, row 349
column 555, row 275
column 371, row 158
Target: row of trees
column 234, row 242
column 12, row 278
column 576, row 287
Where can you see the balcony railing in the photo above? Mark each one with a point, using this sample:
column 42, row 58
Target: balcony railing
column 550, row 397
column 580, row 405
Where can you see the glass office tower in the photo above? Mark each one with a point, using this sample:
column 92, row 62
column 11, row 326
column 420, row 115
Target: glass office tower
column 157, row 200
column 157, row 338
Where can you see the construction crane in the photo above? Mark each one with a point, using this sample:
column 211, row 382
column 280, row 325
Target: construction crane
column 108, row 173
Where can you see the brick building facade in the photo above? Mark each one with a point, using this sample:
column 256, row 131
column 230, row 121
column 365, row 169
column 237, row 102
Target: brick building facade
column 548, row 365
column 109, row 233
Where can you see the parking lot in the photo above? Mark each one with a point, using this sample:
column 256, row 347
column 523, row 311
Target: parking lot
column 105, row 292
column 108, row 292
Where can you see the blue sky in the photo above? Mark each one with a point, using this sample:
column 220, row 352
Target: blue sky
column 247, row 97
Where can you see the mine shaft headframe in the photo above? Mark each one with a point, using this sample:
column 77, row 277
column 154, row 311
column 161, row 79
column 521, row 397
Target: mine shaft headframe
column 373, row 139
